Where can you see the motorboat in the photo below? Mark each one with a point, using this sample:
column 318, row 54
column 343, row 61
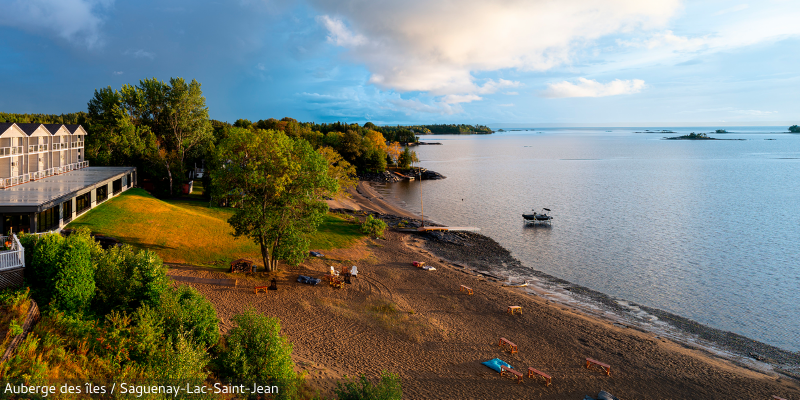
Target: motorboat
column 535, row 217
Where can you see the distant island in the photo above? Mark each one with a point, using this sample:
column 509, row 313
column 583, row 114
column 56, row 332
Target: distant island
column 721, row 131
column 696, row 136
column 449, row 129
column 649, row 131
column 794, row 129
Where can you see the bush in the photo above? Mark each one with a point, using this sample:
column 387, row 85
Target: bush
column 127, row 279
column 184, row 309
column 257, row 353
column 373, row 227
column 362, row 389
column 60, row 270
column 74, row 286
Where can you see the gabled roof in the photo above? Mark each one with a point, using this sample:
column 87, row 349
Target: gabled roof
column 10, row 129
column 4, row 126
column 73, row 129
column 30, row 129
column 53, row 128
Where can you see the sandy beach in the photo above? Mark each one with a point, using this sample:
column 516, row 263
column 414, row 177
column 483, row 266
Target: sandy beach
column 416, row 323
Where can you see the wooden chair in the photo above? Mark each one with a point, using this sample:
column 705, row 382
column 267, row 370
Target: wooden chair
column 513, row 309
column 517, row 374
column 465, row 289
column 605, row 367
column 261, row 288
column 533, row 372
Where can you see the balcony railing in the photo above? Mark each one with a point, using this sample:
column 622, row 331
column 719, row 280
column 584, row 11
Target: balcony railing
column 17, row 180
column 10, row 151
column 12, row 254
column 60, row 146
column 37, row 148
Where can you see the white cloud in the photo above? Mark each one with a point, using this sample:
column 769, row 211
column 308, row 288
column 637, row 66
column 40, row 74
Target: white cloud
column 139, row 54
column 740, row 7
column 339, row 34
column 460, row 98
column 590, row 88
column 755, row 112
column 118, row 72
column 511, row 93
column 435, row 46
column 435, row 108
column 667, row 39
column 506, row 105
column 76, row 21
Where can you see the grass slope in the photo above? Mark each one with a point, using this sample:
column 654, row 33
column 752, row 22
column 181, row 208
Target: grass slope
column 183, row 231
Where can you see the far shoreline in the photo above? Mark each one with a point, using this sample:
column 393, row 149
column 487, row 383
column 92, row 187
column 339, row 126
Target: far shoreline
column 730, row 346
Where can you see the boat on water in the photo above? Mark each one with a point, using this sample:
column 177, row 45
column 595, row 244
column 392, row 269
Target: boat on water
column 538, row 218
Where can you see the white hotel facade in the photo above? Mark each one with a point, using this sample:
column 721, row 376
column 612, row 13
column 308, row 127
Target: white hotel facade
column 45, row 180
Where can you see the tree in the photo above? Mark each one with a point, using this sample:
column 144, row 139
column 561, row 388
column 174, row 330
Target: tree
column 278, row 183
column 407, row 158
column 339, row 169
column 115, row 139
column 394, row 150
column 257, row 353
column 794, row 129
column 154, row 121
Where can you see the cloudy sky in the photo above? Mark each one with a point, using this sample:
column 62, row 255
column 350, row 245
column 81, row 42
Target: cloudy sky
column 521, row 62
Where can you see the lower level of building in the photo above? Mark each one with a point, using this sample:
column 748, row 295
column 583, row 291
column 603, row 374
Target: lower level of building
column 50, row 203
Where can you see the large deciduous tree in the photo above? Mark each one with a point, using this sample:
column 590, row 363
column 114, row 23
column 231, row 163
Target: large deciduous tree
column 277, row 183
column 154, row 121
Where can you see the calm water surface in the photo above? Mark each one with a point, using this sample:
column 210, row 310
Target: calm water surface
column 709, row 230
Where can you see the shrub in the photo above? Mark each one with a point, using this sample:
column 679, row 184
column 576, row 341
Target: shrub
column 373, row 227
column 74, row 286
column 60, row 270
column 184, row 309
column 256, row 352
column 362, row 389
column 127, row 279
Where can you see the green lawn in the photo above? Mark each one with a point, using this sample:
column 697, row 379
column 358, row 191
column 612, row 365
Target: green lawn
column 185, row 231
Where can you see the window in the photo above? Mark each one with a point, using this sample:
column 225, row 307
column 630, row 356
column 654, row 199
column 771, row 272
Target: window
column 102, row 193
column 83, row 202
column 17, row 223
column 117, row 185
column 47, row 220
column 67, row 208
column 130, row 182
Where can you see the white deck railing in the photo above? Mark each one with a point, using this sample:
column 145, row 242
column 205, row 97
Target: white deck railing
column 17, row 180
column 14, row 257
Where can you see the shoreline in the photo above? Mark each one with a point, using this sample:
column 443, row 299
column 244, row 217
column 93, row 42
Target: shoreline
column 419, row 325
column 730, row 346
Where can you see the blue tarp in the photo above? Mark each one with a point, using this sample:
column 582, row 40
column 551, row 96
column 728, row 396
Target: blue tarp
column 603, row 395
column 495, row 364
column 315, row 254
column 308, row 280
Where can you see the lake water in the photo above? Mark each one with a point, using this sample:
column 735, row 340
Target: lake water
column 709, row 230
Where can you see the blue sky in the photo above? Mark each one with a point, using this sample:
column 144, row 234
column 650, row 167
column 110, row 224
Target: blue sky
column 526, row 62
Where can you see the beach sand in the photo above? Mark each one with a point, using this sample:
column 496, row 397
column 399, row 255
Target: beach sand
column 416, row 323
